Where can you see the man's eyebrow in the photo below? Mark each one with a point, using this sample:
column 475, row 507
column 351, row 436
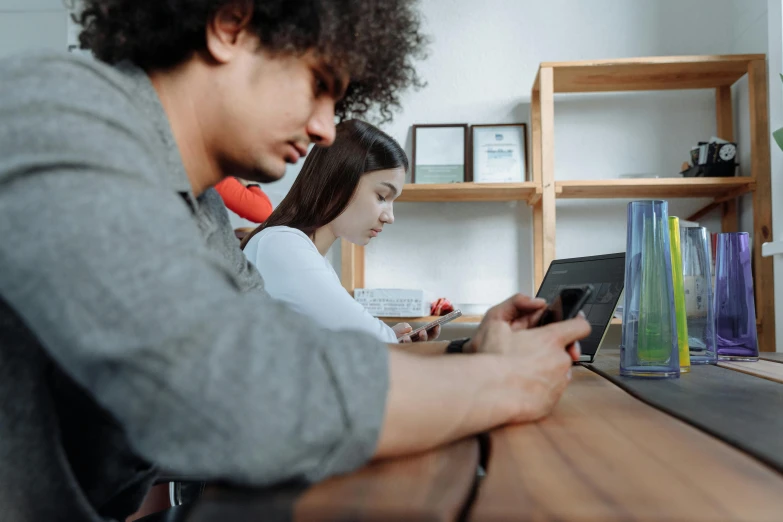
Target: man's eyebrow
column 392, row 187
column 337, row 84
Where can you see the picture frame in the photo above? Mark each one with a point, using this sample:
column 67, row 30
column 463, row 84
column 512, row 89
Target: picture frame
column 440, row 153
column 499, row 153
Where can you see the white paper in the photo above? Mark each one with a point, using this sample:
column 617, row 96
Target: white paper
column 440, row 146
column 498, row 155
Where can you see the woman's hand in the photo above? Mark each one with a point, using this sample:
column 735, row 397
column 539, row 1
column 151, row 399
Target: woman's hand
column 425, row 335
column 400, row 329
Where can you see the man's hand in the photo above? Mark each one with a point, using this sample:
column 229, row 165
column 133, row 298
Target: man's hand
column 518, row 311
column 434, row 400
column 536, row 363
column 538, row 360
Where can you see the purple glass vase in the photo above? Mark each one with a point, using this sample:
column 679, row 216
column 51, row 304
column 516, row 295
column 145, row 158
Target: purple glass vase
column 735, row 309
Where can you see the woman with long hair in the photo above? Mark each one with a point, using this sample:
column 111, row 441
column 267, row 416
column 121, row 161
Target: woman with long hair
column 343, row 191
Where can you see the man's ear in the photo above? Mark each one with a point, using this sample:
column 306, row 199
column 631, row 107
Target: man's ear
column 227, row 30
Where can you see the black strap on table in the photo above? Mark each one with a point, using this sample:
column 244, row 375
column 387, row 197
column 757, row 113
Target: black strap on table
column 740, row 409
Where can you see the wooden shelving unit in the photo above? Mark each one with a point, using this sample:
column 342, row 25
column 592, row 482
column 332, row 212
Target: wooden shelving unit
column 658, row 73
column 718, row 73
column 717, row 188
column 527, row 191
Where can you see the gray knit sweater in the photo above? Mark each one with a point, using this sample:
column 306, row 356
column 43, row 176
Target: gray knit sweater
column 133, row 333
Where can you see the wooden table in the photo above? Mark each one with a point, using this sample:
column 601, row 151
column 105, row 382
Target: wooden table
column 774, row 357
column 604, row 455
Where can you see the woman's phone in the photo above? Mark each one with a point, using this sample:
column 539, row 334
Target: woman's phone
column 567, row 304
column 439, row 321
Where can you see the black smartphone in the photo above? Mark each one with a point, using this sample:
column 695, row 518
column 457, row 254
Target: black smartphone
column 566, row 304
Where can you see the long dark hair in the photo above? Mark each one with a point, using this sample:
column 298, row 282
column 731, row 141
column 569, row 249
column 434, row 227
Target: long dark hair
column 330, row 175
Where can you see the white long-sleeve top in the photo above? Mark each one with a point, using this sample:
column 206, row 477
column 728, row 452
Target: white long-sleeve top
column 296, row 273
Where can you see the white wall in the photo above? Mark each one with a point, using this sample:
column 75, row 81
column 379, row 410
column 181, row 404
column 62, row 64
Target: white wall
column 775, row 62
column 748, row 36
column 482, row 65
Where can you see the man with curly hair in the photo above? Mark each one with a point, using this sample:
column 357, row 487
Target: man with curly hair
column 130, row 321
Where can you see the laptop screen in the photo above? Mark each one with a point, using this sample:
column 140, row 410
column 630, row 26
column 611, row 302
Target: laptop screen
column 607, row 275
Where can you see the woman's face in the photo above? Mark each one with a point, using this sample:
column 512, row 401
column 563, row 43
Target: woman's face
column 371, row 206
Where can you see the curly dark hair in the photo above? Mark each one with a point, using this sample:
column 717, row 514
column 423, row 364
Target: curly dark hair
column 375, row 41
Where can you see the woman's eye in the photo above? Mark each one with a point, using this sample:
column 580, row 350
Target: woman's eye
column 381, row 198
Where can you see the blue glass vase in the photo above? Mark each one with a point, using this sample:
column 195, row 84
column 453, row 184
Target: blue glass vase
column 649, row 345
column 699, row 304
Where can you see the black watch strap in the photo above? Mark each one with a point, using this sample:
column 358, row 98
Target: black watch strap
column 457, row 345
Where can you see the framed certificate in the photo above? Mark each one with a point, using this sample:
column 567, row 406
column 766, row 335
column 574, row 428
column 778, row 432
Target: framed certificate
column 440, row 154
column 499, row 153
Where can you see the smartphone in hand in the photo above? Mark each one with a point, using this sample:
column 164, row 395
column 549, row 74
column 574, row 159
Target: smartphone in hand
column 439, row 321
column 567, row 304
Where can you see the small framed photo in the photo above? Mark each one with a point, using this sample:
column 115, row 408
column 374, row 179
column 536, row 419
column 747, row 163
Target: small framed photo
column 499, row 153
column 440, row 153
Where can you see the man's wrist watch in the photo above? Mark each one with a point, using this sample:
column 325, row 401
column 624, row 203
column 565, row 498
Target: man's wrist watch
column 457, row 345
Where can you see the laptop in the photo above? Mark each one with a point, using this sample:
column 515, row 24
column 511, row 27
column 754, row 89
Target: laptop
column 607, row 275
